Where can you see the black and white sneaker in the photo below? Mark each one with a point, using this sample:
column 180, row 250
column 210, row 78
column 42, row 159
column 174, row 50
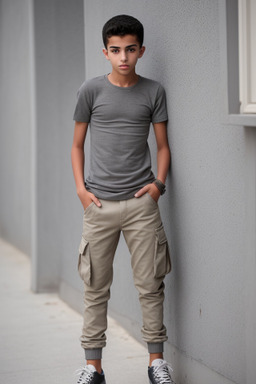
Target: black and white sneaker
column 89, row 375
column 160, row 372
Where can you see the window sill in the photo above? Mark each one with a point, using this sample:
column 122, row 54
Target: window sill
column 247, row 120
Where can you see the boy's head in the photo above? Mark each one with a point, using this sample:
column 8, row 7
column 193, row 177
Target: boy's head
column 122, row 25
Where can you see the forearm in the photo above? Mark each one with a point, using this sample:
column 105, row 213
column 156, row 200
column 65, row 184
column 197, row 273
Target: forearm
column 163, row 163
column 77, row 158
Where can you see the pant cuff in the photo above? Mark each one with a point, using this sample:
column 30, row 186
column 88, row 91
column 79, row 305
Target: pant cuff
column 93, row 354
column 155, row 347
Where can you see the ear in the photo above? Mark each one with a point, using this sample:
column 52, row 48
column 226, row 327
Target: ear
column 105, row 51
column 142, row 50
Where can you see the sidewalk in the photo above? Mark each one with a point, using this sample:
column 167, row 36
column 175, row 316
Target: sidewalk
column 39, row 334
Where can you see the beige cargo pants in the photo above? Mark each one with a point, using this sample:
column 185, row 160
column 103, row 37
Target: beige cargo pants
column 140, row 222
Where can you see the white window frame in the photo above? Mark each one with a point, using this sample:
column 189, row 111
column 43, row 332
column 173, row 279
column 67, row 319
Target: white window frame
column 247, row 56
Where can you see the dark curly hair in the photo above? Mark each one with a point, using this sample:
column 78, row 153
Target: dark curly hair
column 122, row 25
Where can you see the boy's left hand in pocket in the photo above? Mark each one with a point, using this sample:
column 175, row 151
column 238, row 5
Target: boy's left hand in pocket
column 151, row 189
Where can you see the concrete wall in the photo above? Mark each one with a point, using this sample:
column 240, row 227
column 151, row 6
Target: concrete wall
column 41, row 67
column 59, row 70
column 15, row 124
column 47, row 48
column 203, row 210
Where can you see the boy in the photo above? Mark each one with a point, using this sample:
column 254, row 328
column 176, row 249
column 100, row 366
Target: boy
column 121, row 194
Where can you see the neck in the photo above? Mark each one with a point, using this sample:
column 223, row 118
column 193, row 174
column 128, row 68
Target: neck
column 123, row 81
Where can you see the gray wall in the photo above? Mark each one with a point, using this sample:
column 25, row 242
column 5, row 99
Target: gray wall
column 59, row 70
column 15, row 124
column 47, row 48
column 203, row 210
column 41, row 67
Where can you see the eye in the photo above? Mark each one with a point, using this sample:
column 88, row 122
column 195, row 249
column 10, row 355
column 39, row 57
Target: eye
column 131, row 49
column 114, row 50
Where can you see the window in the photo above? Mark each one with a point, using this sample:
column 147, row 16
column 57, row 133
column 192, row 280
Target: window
column 247, row 55
column 238, row 61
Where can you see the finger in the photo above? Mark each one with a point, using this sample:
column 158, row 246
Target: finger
column 96, row 201
column 141, row 192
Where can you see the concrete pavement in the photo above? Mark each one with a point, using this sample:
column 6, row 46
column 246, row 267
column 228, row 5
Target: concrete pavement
column 39, row 334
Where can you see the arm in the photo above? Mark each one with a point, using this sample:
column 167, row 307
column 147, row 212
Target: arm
column 163, row 160
column 77, row 158
column 163, row 151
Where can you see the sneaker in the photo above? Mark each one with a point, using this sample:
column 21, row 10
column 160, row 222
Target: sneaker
column 160, row 372
column 89, row 375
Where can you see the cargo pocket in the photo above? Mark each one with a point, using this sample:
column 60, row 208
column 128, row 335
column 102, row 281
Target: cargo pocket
column 162, row 260
column 84, row 262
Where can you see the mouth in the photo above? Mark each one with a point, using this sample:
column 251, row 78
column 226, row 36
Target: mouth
column 124, row 66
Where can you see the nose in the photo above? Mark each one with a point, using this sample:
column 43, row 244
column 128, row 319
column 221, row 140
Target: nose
column 123, row 56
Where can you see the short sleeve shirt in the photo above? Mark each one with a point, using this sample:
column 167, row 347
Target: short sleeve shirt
column 119, row 121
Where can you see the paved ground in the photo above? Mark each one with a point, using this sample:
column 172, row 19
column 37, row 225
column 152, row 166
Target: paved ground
column 39, row 334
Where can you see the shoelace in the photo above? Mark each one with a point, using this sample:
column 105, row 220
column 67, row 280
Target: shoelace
column 85, row 375
column 163, row 373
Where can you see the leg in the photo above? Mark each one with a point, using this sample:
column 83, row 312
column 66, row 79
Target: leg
column 150, row 260
column 96, row 253
column 154, row 356
column 96, row 364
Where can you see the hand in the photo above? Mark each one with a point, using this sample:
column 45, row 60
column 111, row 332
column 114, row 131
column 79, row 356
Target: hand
column 87, row 198
column 151, row 189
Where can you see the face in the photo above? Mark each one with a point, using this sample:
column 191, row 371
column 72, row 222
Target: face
column 123, row 52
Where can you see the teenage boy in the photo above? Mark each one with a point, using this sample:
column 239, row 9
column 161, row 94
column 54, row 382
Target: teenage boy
column 121, row 194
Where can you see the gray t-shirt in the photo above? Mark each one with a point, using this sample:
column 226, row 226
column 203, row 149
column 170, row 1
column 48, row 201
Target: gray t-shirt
column 119, row 117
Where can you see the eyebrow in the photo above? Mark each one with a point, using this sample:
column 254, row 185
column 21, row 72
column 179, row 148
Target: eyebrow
column 128, row 46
